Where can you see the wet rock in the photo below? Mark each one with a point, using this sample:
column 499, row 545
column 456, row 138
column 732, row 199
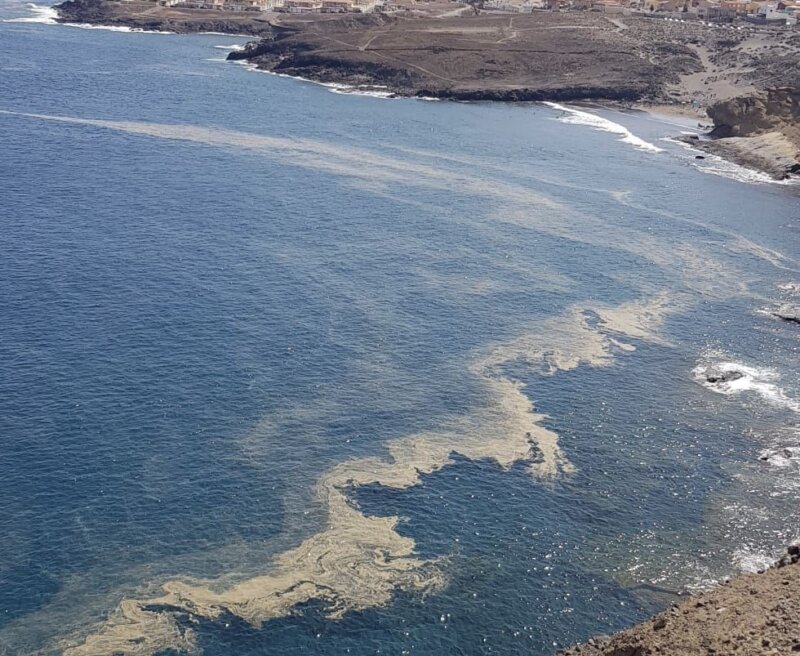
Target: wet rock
column 788, row 312
column 714, row 375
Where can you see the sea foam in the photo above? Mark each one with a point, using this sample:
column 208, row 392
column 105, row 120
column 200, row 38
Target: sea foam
column 760, row 381
column 48, row 16
column 333, row 87
column 751, row 561
column 716, row 165
column 43, row 15
column 579, row 117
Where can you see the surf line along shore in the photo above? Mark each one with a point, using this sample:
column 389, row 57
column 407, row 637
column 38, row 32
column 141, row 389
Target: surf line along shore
column 752, row 614
column 728, row 73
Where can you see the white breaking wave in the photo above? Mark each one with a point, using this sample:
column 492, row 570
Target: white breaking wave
column 48, row 16
column 752, row 561
column 790, row 287
column 716, row 165
column 579, row 117
column 782, row 457
column 355, row 91
column 115, row 28
column 43, row 15
column 234, row 46
column 333, row 87
column 741, row 378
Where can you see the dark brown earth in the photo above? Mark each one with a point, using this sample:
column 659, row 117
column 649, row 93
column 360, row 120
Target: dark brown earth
column 149, row 16
column 547, row 55
column 753, row 615
column 746, row 79
column 544, row 56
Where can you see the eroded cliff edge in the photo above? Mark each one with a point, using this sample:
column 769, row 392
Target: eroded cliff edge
column 760, row 130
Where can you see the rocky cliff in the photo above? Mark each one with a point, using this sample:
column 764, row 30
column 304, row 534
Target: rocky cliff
column 774, row 110
column 760, row 130
column 143, row 15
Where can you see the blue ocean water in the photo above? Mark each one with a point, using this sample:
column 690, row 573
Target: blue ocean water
column 217, row 285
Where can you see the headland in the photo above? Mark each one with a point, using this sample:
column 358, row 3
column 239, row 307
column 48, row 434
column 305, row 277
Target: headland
column 743, row 77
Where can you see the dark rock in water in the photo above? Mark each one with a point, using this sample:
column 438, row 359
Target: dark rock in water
column 721, row 131
column 792, row 556
column 699, row 156
column 717, row 376
column 789, row 313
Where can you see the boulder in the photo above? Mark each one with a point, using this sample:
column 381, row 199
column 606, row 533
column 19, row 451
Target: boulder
column 714, row 375
column 788, row 313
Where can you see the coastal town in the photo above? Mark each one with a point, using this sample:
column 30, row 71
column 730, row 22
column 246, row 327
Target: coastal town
column 764, row 12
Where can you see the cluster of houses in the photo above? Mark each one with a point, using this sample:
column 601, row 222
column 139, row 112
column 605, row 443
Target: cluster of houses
column 291, row 6
column 775, row 12
column 762, row 12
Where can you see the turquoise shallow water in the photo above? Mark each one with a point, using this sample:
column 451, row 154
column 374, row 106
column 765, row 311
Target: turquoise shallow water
column 219, row 286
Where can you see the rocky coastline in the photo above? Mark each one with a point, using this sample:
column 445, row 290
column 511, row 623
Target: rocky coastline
column 475, row 58
column 760, row 131
column 751, row 614
column 146, row 16
column 546, row 56
column 757, row 130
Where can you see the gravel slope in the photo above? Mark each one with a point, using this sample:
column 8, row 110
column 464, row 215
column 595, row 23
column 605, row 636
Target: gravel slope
column 754, row 614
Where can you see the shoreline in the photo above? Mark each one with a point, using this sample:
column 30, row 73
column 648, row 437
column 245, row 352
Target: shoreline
column 750, row 174
column 649, row 66
column 749, row 614
column 759, row 164
column 745, row 155
column 754, row 598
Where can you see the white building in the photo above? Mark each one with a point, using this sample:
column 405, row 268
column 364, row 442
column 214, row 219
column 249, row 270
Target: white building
column 770, row 12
